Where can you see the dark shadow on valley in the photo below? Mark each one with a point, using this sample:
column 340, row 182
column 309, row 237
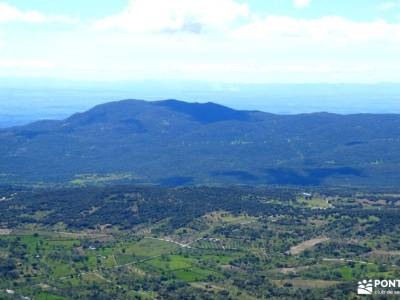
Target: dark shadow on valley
column 175, row 181
column 315, row 176
column 238, row 175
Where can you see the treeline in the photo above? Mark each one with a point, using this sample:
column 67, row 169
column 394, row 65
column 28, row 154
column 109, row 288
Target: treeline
column 127, row 206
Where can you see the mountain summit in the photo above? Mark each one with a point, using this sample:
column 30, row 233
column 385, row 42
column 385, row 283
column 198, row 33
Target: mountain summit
column 173, row 142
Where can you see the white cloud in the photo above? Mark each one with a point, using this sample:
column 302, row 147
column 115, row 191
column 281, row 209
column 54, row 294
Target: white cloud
column 302, row 3
column 329, row 29
column 174, row 15
column 237, row 45
column 389, row 6
column 26, row 64
column 9, row 13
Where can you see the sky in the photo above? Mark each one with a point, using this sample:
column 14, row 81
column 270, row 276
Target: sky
column 254, row 41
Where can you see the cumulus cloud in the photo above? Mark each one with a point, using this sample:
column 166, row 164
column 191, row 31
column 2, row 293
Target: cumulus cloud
column 174, row 15
column 302, row 3
column 237, row 45
column 29, row 64
column 389, row 6
column 330, row 28
column 9, row 13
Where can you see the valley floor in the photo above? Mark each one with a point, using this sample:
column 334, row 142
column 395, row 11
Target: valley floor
column 300, row 252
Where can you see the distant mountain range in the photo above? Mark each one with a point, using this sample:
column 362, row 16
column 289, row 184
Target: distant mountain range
column 173, row 143
column 26, row 100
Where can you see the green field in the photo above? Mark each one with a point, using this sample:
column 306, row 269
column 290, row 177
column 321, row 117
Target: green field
column 296, row 252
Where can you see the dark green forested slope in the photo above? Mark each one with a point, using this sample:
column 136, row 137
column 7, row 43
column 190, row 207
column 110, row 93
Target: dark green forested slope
column 173, row 142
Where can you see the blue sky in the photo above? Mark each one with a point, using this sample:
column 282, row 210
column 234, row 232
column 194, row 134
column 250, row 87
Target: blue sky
column 356, row 9
column 254, row 41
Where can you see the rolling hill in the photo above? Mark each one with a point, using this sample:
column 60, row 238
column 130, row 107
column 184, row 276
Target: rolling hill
column 174, row 143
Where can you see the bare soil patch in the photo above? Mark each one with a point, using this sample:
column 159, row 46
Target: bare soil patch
column 296, row 250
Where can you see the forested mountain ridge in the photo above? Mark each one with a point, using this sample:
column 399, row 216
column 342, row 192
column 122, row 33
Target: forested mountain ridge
column 173, row 142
